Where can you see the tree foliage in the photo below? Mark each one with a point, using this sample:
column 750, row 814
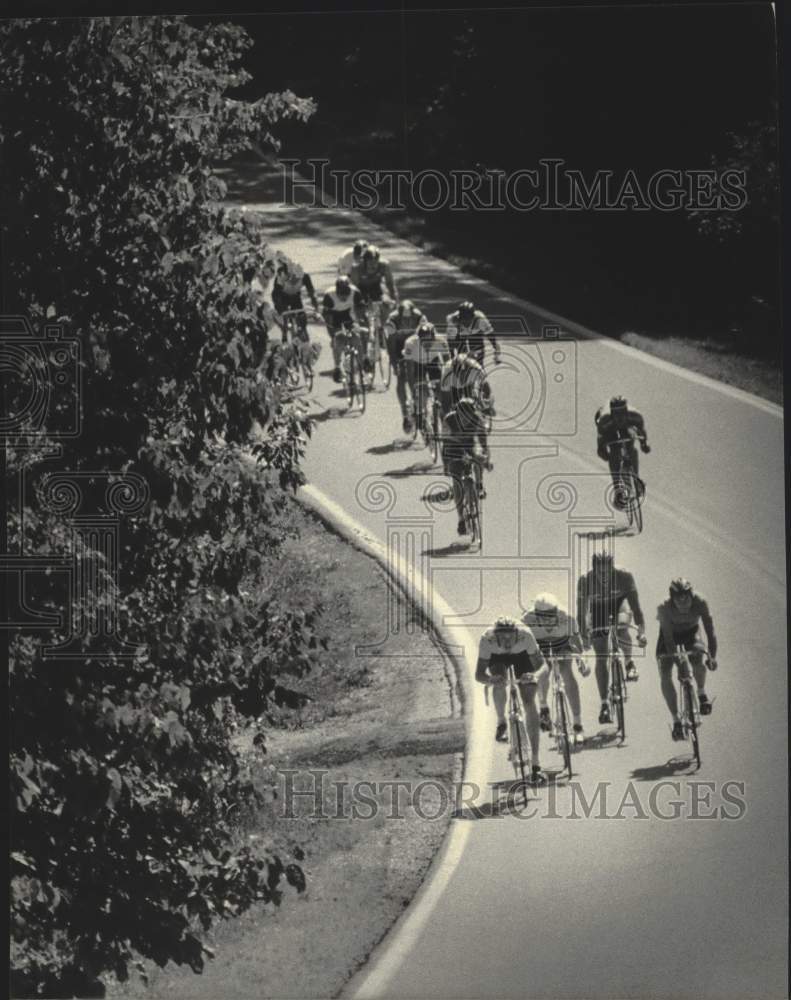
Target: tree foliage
column 123, row 772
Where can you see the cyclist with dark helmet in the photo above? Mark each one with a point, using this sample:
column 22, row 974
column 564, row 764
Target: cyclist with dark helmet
column 352, row 257
column 341, row 308
column 402, row 322
column 464, row 434
column 425, row 352
column 370, row 273
column 290, row 282
column 467, row 329
column 680, row 619
column 603, row 592
column 505, row 643
column 618, row 421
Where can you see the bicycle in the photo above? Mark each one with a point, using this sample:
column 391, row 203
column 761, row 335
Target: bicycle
column 632, row 487
column 376, row 344
column 471, row 483
column 300, row 354
column 353, row 377
column 689, row 707
column 617, row 695
column 519, row 751
column 431, row 405
column 560, row 713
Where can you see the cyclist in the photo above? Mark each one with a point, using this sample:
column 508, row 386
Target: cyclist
column 341, row 308
column 507, row 642
column 399, row 327
column 556, row 632
column 602, row 592
column 369, row 276
column 351, row 257
column 462, row 377
column 425, row 352
column 467, row 327
column 464, row 435
column 620, row 422
column 680, row 619
column 290, row 280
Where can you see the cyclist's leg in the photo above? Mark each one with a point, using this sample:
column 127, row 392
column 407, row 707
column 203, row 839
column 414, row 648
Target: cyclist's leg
column 528, row 692
column 600, row 643
column 625, row 644
column 572, row 687
column 456, row 470
column 499, row 699
column 697, row 650
column 614, row 462
column 665, row 661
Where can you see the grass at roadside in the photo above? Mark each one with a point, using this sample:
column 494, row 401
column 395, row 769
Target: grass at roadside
column 387, row 717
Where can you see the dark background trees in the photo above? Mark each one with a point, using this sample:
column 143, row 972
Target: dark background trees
column 631, row 87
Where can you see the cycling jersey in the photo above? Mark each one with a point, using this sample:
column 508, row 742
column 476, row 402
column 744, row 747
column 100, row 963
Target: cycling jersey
column 347, row 262
column 469, row 335
column 460, row 379
column 428, row 354
column 524, row 654
column 292, row 283
column 399, row 327
column 604, row 596
column 556, row 633
column 674, row 623
column 608, row 431
column 369, row 280
column 338, row 311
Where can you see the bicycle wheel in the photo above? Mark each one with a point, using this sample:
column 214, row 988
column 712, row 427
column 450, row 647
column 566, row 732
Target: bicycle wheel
column 472, row 508
column 691, row 724
column 637, row 502
column 434, row 444
column 518, row 740
column 618, row 687
column 387, row 373
column 563, row 737
column 349, row 376
column 361, row 386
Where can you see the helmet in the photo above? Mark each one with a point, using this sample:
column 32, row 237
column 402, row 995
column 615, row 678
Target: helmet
column 466, row 311
column 505, row 624
column 343, row 287
column 406, row 306
column 599, row 558
column 426, row 329
column 680, row 586
column 359, row 246
column 466, row 410
column 618, row 405
column 545, row 604
column 370, row 254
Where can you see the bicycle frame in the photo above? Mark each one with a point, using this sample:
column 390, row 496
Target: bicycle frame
column 617, row 679
column 689, row 707
column 519, row 745
column 560, row 712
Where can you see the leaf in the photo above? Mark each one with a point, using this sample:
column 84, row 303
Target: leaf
column 116, row 785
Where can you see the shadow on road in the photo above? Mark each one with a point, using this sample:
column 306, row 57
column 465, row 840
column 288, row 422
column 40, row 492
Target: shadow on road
column 416, row 469
column 676, row 765
column 601, row 741
column 400, row 444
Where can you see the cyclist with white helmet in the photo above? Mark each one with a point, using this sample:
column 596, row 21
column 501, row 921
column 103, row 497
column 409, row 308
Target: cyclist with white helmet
column 425, row 352
column 370, row 272
column 467, row 328
column 603, row 592
column 557, row 634
column 612, row 424
column 505, row 643
column 352, row 257
column 402, row 322
column 680, row 619
column 341, row 308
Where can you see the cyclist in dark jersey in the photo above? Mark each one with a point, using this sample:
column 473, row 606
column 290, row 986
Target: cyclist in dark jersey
column 399, row 327
column 603, row 592
column 464, row 435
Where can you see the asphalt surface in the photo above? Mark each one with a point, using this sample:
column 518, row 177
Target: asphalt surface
column 549, row 902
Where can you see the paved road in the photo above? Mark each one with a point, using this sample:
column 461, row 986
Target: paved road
column 622, row 903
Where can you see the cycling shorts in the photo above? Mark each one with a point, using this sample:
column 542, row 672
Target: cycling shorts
column 498, row 664
column 691, row 641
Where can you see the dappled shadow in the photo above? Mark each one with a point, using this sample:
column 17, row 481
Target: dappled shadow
column 676, row 765
column 602, row 740
column 331, row 413
column 416, row 469
column 399, row 444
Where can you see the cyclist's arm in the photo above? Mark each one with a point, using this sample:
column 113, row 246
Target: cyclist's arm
column 387, row 274
column 327, row 306
column 487, row 330
column 634, row 603
column 708, row 626
column 666, row 628
column 482, row 670
column 538, row 663
column 357, row 306
column 307, row 284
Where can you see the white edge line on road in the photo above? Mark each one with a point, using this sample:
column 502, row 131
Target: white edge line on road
column 388, row 956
